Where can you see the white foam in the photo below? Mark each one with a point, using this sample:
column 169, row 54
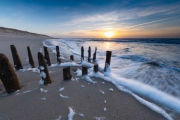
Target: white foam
column 72, row 79
column 33, row 69
column 59, row 118
column 82, row 115
column 17, row 93
column 99, row 118
column 78, row 72
column 63, row 96
column 43, row 74
column 42, row 90
column 140, row 89
column 71, row 63
column 61, row 89
column 26, row 91
column 102, row 91
column 87, row 78
column 43, row 98
column 23, row 70
column 61, row 57
column 87, row 64
column 41, row 82
column 77, row 79
column 41, row 68
column 111, row 89
column 71, row 113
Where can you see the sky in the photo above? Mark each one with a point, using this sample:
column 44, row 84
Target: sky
column 94, row 18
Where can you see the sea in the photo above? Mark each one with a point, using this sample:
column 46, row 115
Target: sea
column 147, row 69
column 154, row 62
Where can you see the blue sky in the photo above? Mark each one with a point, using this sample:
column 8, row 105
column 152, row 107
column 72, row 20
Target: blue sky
column 93, row 18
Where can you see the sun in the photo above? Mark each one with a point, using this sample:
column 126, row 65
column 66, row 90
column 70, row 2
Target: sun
column 109, row 34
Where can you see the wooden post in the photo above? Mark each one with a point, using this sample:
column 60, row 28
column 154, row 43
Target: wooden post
column 31, row 61
column 71, row 57
column 58, row 55
column 82, row 53
column 67, row 73
column 96, row 68
column 94, row 55
column 41, row 60
column 89, row 54
column 84, row 70
column 16, row 59
column 108, row 60
column 8, row 75
column 46, row 56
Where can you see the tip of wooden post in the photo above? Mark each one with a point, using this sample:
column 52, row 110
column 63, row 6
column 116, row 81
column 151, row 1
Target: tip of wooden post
column 45, row 47
column 82, row 48
column 40, row 54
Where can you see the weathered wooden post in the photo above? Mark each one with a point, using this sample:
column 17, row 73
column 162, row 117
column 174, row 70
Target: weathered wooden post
column 96, row 68
column 67, row 73
column 42, row 63
column 108, row 60
column 31, row 61
column 82, row 53
column 16, row 59
column 46, row 56
column 89, row 54
column 58, row 55
column 84, row 70
column 71, row 57
column 94, row 55
column 8, row 75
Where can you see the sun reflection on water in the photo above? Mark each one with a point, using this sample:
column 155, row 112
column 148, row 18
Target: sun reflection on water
column 107, row 45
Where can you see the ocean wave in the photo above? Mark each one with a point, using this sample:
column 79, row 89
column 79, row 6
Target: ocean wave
column 141, row 40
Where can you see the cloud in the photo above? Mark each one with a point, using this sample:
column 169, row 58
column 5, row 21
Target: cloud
column 111, row 16
column 76, row 32
column 147, row 23
column 124, row 14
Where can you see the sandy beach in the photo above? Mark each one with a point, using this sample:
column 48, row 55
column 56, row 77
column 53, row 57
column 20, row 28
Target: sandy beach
column 30, row 103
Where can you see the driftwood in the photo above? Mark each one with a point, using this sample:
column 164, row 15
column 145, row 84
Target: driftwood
column 16, row 59
column 42, row 63
column 96, row 68
column 71, row 57
column 58, row 55
column 8, row 75
column 67, row 73
column 84, row 70
column 82, row 53
column 46, row 56
column 31, row 61
column 89, row 54
column 94, row 55
column 108, row 60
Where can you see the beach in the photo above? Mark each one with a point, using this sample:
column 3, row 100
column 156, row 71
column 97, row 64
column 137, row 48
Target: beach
column 89, row 101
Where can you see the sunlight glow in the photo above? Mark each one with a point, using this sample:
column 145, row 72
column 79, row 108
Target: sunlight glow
column 109, row 34
column 107, row 45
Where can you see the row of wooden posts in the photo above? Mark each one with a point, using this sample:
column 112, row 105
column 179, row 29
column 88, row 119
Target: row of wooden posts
column 10, row 80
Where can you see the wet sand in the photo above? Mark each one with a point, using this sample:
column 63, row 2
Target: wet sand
column 27, row 104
